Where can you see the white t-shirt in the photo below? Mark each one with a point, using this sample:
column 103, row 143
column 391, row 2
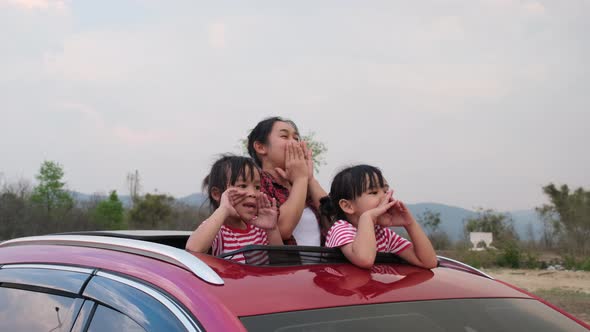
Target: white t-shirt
column 307, row 231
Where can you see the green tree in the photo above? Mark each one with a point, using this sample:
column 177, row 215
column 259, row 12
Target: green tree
column 568, row 216
column 318, row 149
column 430, row 220
column 50, row 193
column 152, row 212
column 109, row 214
column 500, row 225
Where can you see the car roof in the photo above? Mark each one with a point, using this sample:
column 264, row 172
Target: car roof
column 316, row 286
column 253, row 290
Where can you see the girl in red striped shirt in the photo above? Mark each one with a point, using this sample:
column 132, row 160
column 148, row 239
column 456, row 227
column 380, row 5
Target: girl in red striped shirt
column 363, row 208
column 243, row 215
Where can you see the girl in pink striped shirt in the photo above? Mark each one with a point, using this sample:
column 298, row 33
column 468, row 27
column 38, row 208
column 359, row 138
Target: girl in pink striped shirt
column 243, row 215
column 363, row 209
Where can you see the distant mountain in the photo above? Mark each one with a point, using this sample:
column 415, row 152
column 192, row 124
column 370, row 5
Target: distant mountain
column 196, row 199
column 522, row 220
column 452, row 217
column 81, row 197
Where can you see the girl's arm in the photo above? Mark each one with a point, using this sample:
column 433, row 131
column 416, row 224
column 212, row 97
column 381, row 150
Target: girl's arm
column 274, row 237
column 315, row 190
column 421, row 253
column 267, row 219
column 296, row 174
column 362, row 251
column 202, row 238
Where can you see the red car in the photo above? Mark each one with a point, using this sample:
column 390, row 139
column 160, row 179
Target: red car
column 145, row 281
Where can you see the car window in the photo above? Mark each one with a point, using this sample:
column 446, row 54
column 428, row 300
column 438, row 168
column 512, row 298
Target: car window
column 466, row 315
column 140, row 307
column 106, row 319
column 27, row 310
column 66, row 281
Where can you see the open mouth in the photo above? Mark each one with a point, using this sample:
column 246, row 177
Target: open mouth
column 250, row 206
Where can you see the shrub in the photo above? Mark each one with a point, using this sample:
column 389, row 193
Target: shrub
column 510, row 256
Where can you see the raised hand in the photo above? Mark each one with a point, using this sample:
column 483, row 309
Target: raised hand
column 295, row 164
column 230, row 198
column 267, row 213
column 397, row 215
column 308, row 153
column 379, row 214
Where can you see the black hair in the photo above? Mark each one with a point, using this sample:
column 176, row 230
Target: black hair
column 349, row 184
column 260, row 134
column 226, row 171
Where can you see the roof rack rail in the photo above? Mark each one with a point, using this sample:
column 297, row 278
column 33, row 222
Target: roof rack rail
column 168, row 254
column 454, row 264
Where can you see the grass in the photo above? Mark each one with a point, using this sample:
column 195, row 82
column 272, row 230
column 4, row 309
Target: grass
column 575, row 302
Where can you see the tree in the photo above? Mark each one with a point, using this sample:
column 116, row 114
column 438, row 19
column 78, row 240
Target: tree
column 430, row 220
column 109, row 214
column 499, row 224
column 50, row 193
column 14, row 209
column 318, row 149
column 567, row 217
column 152, row 211
column 134, row 186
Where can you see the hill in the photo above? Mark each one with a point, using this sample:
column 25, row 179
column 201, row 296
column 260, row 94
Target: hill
column 452, row 217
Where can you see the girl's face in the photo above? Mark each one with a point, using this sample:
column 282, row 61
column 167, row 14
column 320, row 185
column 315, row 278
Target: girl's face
column 369, row 199
column 281, row 134
column 250, row 185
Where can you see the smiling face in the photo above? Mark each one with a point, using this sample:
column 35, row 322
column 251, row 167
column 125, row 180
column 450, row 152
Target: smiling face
column 272, row 153
column 248, row 183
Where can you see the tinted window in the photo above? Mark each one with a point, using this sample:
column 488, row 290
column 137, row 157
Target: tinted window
column 66, row 281
column 139, row 306
column 24, row 310
column 471, row 315
column 106, row 319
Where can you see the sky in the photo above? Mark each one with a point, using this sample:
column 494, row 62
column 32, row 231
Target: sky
column 471, row 103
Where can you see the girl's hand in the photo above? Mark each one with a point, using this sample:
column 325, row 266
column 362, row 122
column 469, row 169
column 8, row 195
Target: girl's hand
column 230, row 198
column 308, row 159
column 380, row 212
column 295, row 164
column 267, row 213
column 397, row 215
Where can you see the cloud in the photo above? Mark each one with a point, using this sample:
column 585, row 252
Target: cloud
column 56, row 5
column 216, row 34
column 534, row 8
column 448, row 28
column 94, row 121
column 86, row 111
column 137, row 137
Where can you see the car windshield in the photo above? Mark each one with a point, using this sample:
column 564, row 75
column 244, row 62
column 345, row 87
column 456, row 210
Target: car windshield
column 467, row 315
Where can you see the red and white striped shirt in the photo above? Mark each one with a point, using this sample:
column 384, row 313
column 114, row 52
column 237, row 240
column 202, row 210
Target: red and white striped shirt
column 343, row 232
column 230, row 239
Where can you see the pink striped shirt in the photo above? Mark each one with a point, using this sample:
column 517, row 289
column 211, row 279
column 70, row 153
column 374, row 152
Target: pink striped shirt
column 343, row 232
column 230, row 239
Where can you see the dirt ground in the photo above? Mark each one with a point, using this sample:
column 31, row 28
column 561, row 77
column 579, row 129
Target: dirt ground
column 569, row 290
